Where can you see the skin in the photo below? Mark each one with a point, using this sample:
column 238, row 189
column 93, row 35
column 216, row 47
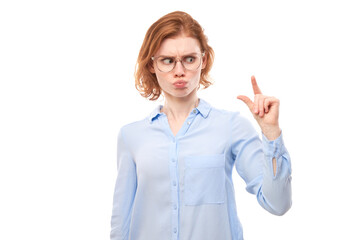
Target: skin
column 265, row 110
column 180, row 101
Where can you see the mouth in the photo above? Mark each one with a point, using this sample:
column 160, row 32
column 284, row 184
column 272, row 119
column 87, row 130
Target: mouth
column 180, row 84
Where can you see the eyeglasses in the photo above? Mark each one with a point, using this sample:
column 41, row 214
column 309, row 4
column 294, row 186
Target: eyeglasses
column 190, row 62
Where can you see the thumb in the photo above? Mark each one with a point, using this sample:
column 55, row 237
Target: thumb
column 247, row 101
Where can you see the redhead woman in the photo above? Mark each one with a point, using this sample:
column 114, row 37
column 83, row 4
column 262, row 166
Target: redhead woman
column 175, row 166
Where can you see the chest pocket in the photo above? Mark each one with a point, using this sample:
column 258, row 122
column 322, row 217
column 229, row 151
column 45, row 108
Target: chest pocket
column 204, row 181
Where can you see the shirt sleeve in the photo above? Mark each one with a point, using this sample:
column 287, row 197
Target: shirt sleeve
column 254, row 163
column 124, row 193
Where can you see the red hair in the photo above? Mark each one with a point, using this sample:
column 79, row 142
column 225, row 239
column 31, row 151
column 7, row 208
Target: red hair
column 168, row 26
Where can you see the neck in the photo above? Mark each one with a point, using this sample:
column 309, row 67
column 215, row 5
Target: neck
column 179, row 108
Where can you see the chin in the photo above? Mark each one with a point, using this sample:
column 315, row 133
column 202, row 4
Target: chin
column 178, row 93
column 184, row 94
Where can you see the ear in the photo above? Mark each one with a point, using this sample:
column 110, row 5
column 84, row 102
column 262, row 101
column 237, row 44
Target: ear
column 204, row 61
column 151, row 68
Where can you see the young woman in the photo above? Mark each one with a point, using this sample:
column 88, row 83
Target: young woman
column 175, row 166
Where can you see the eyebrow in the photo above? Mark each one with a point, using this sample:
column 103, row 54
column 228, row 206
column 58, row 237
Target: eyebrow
column 192, row 53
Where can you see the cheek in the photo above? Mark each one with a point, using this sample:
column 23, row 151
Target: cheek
column 161, row 78
column 196, row 77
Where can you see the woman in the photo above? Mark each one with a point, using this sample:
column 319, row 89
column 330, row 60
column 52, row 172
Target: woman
column 175, row 166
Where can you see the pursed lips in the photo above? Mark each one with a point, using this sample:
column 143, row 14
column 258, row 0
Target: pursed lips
column 180, row 83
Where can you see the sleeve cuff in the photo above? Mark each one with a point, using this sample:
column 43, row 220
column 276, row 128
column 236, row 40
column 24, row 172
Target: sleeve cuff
column 273, row 149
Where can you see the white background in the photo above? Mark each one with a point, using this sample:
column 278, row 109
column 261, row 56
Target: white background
column 67, row 86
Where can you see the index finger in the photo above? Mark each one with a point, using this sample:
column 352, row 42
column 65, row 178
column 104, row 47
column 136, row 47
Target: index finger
column 255, row 86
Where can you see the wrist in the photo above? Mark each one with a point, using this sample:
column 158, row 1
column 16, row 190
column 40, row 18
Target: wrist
column 271, row 133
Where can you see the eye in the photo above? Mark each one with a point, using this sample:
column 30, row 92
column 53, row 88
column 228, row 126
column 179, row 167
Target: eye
column 189, row 59
column 167, row 61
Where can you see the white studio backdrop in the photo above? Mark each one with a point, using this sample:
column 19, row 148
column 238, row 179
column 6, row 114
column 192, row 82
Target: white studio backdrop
column 67, row 86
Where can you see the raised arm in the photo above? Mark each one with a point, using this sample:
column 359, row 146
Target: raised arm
column 264, row 165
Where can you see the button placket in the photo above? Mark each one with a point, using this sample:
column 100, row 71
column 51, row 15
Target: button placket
column 174, row 189
column 174, row 173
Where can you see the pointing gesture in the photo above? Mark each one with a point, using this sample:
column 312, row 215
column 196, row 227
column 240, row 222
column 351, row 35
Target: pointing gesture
column 265, row 110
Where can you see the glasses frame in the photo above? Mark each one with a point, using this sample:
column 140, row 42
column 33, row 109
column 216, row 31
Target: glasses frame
column 177, row 60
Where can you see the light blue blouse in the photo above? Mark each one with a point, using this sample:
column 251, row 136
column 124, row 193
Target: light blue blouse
column 180, row 187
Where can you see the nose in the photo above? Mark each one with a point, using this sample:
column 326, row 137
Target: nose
column 179, row 70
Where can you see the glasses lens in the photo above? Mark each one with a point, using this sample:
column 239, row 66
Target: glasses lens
column 165, row 64
column 190, row 62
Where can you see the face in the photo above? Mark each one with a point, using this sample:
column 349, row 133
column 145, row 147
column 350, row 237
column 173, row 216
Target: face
column 179, row 82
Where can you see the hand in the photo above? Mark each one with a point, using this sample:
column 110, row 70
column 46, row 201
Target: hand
column 265, row 110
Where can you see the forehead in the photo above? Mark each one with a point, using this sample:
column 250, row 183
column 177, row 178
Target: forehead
column 178, row 46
